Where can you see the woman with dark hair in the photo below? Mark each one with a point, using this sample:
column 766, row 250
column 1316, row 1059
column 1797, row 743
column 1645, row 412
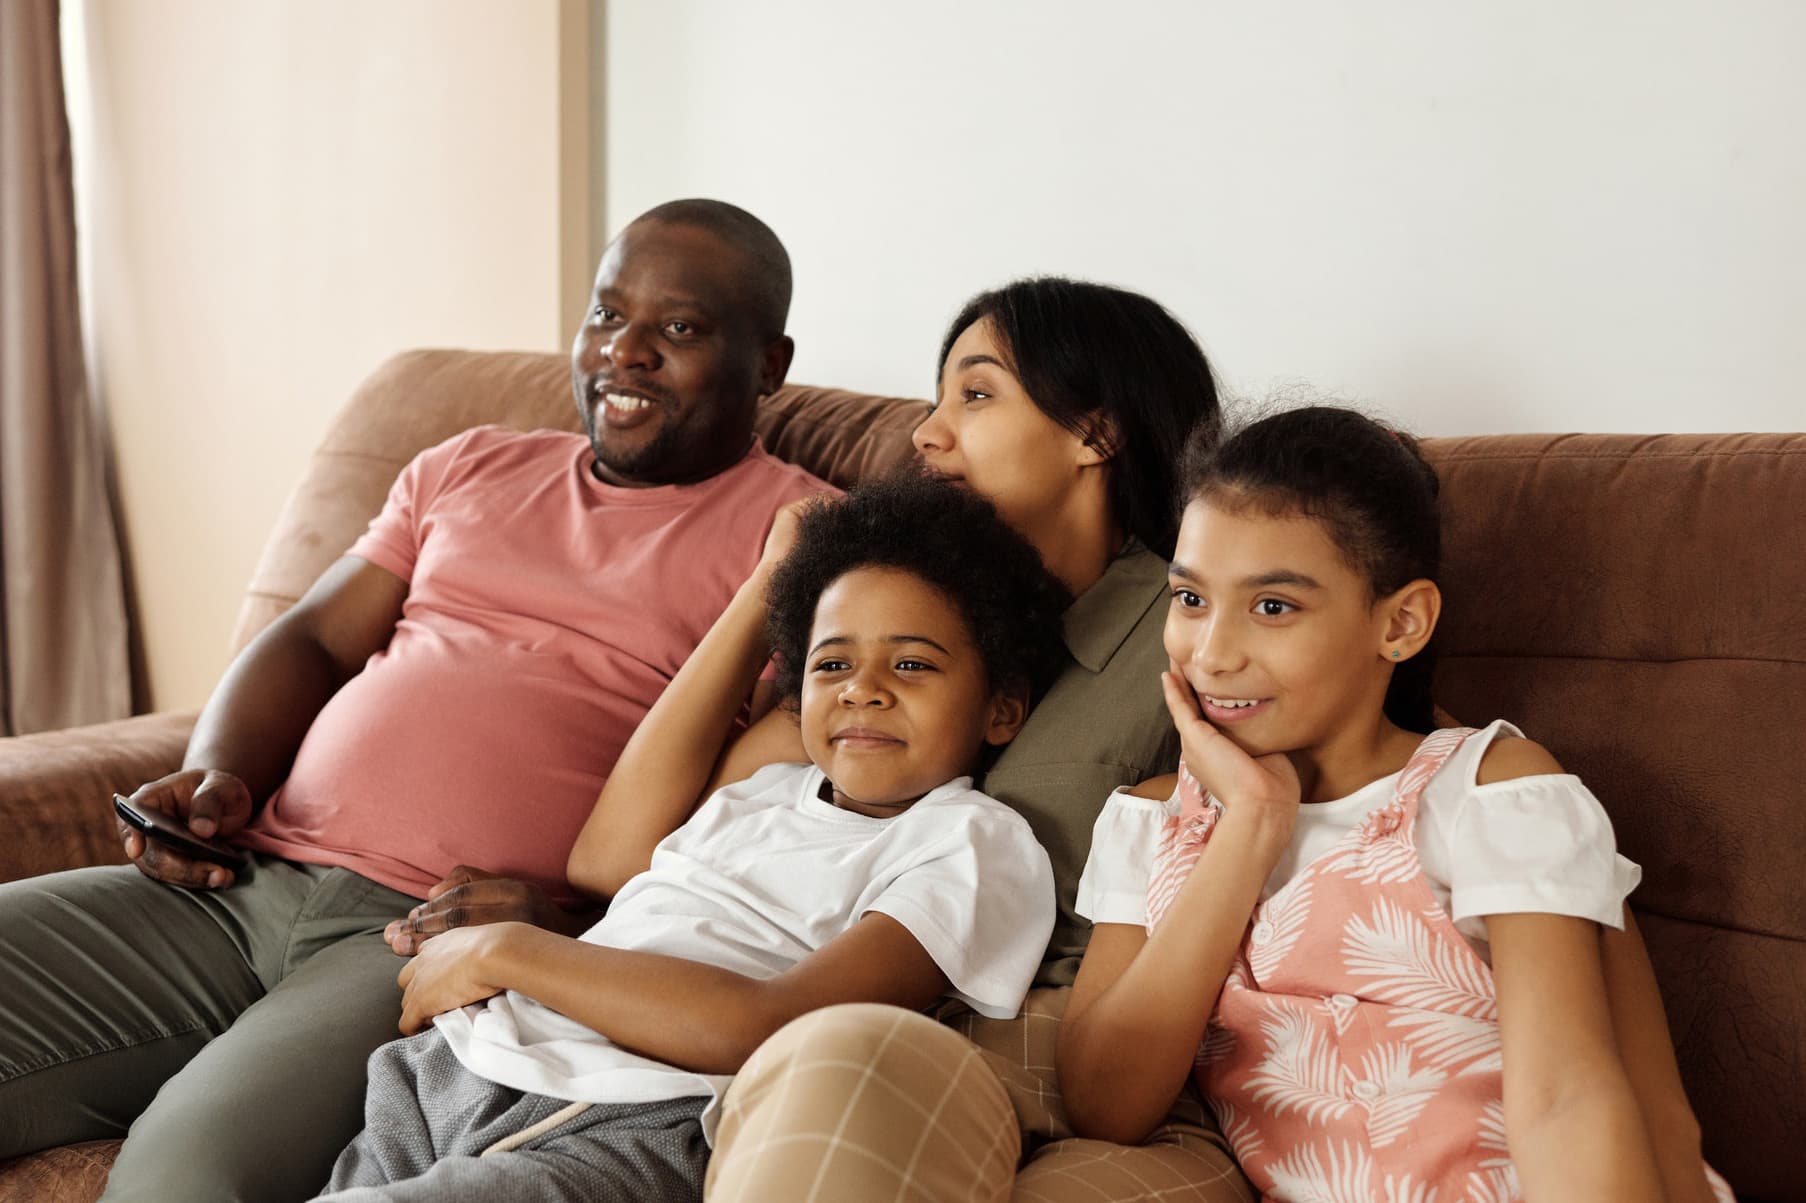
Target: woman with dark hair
column 1067, row 405
column 1066, row 360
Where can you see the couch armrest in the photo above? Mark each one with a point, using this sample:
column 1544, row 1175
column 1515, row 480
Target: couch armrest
column 56, row 789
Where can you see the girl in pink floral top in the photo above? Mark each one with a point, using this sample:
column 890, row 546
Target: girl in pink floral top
column 1399, row 966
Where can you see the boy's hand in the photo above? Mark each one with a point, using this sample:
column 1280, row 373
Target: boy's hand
column 1266, row 785
column 450, row 972
column 472, row 897
column 213, row 803
column 782, row 536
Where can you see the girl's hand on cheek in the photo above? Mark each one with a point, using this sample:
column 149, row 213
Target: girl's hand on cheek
column 448, row 972
column 1265, row 786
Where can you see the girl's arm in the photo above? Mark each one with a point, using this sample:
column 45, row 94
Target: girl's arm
column 690, row 1015
column 1139, row 1007
column 1641, row 1031
column 1572, row 1120
column 675, row 759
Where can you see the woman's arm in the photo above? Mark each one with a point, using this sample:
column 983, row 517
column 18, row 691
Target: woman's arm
column 1640, row 1030
column 675, row 759
column 1140, row 1004
column 684, row 1013
column 1571, row 1120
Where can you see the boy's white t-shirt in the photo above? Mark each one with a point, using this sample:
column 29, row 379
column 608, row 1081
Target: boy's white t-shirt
column 1539, row 844
column 764, row 873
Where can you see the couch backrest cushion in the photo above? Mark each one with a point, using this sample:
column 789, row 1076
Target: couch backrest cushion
column 1637, row 604
column 419, row 398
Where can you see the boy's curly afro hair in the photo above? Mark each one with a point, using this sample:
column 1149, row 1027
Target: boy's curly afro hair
column 947, row 536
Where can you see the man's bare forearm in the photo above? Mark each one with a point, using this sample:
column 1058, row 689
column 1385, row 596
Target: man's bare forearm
column 257, row 716
column 253, row 724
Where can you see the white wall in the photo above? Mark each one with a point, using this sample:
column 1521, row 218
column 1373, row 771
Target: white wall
column 1554, row 215
column 275, row 197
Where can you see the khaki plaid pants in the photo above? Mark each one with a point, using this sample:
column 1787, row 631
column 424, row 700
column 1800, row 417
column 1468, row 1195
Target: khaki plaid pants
column 872, row 1104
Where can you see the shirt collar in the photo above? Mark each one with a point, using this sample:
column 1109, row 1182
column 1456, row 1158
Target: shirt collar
column 1098, row 623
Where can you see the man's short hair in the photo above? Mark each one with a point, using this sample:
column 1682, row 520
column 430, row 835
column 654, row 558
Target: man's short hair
column 768, row 284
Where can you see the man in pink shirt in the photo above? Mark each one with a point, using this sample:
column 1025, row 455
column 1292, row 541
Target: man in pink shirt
column 452, row 692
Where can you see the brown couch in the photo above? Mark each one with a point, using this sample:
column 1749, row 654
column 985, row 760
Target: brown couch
column 1636, row 603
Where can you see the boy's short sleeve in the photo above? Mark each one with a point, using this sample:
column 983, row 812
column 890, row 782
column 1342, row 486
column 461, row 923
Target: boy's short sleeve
column 981, row 903
column 392, row 540
column 1114, row 886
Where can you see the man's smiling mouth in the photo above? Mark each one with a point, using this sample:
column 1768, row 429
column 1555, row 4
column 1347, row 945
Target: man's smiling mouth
column 622, row 402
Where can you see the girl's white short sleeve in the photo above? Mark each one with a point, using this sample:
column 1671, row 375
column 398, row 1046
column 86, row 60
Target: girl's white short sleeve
column 1114, row 886
column 1540, row 844
column 1533, row 844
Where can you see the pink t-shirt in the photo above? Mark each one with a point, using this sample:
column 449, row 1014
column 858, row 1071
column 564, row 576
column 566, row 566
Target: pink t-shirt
column 546, row 610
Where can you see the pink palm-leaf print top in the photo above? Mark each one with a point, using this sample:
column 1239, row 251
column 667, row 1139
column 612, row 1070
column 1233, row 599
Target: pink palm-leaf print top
column 1354, row 1053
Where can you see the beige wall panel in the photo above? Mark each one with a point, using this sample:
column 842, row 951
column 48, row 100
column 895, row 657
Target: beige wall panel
column 1551, row 215
column 278, row 196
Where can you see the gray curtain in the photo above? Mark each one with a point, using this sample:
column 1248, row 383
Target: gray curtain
column 63, row 634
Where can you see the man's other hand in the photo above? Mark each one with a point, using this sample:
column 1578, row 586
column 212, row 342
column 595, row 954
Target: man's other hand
column 470, row 897
column 212, row 802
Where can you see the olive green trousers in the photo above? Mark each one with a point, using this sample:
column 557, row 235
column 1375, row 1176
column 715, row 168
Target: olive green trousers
column 223, row 1033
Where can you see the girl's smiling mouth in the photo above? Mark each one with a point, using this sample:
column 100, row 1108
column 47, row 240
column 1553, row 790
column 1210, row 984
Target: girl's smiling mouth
column 1232, row 710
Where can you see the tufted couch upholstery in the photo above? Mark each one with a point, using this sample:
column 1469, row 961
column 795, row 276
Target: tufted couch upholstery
column 1636, row 603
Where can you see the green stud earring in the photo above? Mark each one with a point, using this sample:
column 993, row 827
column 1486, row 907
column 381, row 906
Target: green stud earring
column 1395, row 655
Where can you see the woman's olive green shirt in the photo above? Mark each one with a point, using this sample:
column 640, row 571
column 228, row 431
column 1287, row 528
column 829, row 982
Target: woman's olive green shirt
column 1103, row 724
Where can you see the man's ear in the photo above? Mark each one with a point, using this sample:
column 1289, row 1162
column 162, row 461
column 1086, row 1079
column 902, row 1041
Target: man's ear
column 774, row 363
column 1410, row 619
column 1009, row 710
column 1100, row 442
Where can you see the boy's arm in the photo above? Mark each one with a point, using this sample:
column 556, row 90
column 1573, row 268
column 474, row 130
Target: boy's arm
column 684, row 1013
column 664, row 770
column 671, row 762
column 660, row 776
column 668, row 761
column 1641, row 1031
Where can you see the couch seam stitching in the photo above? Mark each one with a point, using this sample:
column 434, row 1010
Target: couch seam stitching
column 1717, row 926
column 1444, row 656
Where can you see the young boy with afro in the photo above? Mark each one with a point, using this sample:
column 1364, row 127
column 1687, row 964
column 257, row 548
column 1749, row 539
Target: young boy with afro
column 912, row 629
